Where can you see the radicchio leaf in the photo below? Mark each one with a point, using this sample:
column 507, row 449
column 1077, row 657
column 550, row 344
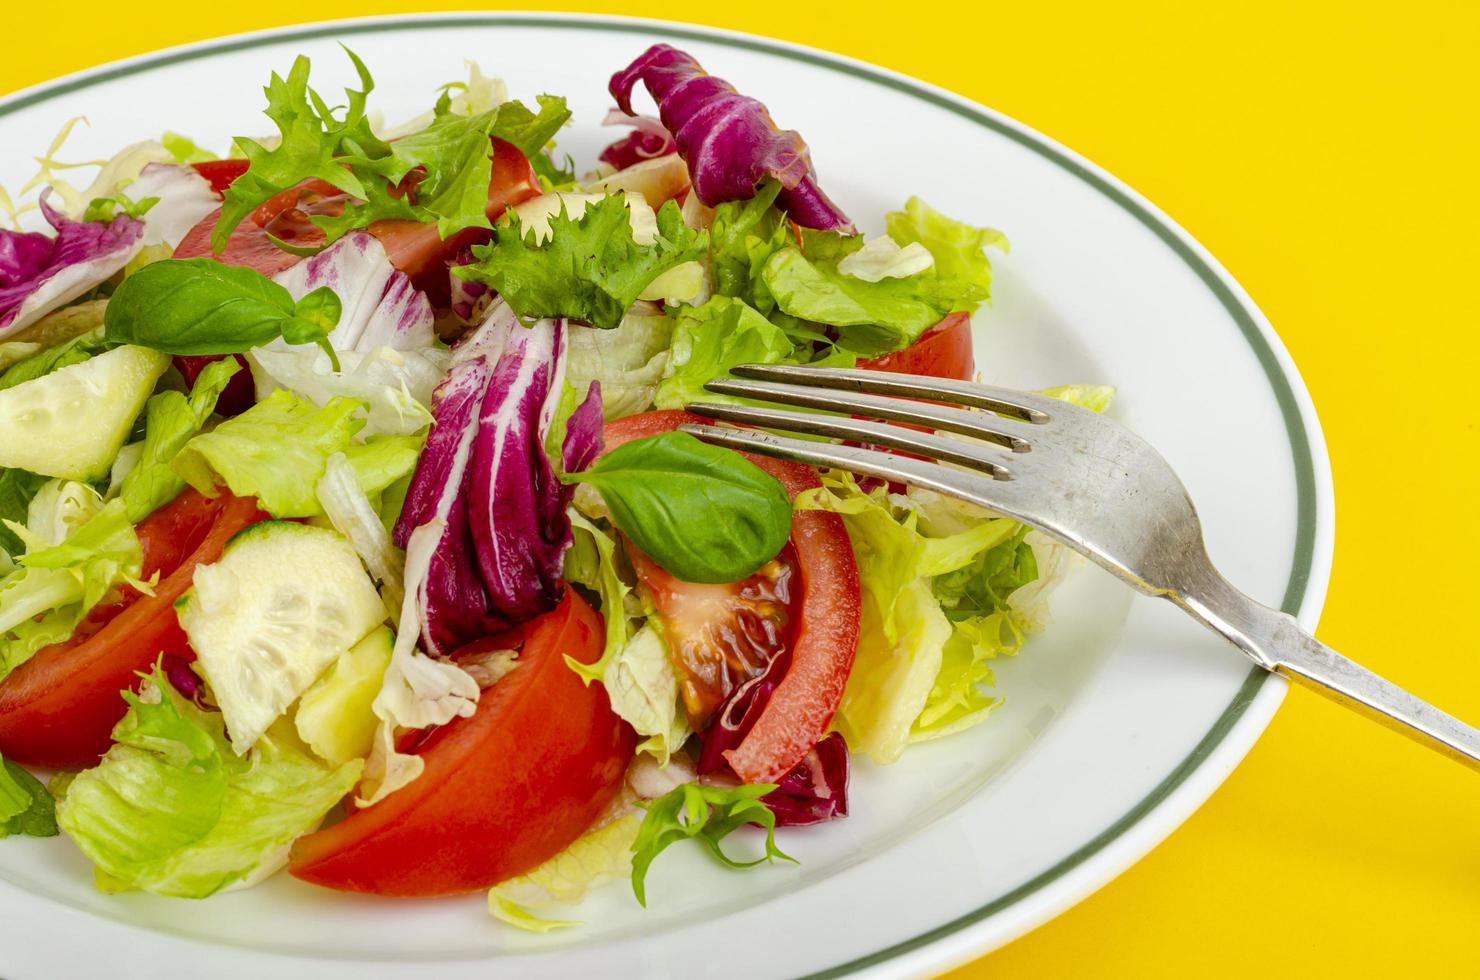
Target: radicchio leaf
column 381, row 308
column 648, row 139
column 40, row 273
column 815, row 790
column 728, row 140
column 484, row 472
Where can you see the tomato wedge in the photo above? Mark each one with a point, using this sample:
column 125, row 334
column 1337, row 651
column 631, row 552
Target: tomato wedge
column 502, row 792
column 414, row 248
column 58, row 709
column 824, row 627
column 220, row 173
column 943, row 351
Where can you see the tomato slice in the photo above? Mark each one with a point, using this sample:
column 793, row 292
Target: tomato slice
column 58, row 709
column 943, row 351
column 721, row 635
column 503, row 791
column 824, row 630
column 220, row 173
column 414, row 248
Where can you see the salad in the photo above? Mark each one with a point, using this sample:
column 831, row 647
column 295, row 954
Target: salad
column 346, row 528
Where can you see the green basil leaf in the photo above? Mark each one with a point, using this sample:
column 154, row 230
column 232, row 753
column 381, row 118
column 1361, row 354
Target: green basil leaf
column 199, row 306
column 25, row 805
column 704, row 513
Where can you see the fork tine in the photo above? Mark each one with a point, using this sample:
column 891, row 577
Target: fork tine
column 1022, row 405
column 843, row 427
column 1011, row 433
column 983, row 491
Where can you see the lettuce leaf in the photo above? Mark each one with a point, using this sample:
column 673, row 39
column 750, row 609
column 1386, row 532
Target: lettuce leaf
column 171, row 810
column 57, row 585
column 17, row 488
column 643, row 689
column 711, row 339
column 172, row 420
column 627, row 361
column 959, row 249
column 924, row 596
column 590, row 269
column 26, row 807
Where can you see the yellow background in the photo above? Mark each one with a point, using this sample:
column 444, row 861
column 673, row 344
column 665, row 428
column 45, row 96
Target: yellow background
column 1326, row 153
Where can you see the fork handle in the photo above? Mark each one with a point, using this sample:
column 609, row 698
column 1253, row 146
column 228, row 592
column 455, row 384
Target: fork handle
column 1274, row 641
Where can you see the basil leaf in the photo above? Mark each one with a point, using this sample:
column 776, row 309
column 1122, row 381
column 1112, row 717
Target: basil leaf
column 704, row 513
column 199, row 306
column 25, row 805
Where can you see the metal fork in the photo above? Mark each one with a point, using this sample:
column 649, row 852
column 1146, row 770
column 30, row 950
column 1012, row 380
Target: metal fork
column 1070, row 473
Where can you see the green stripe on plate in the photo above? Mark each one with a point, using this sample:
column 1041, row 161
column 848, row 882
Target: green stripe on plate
column 1284, row 392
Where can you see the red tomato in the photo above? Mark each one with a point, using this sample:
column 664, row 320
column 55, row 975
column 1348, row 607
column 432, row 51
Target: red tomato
column 824, row 630
column 502, row 792
column 58, row 708
column 414, row 248
column 220, row 173
column 240, row 392
column 721, row 635
column 943, row 351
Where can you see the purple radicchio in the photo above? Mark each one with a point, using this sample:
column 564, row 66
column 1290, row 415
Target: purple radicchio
column 485, row 473
column 381, row 308
column 649, row 138
column 39, row 273
column 728, row 140
column 815, row 790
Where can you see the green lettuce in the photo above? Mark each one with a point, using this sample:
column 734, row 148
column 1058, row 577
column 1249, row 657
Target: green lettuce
column 172, row 419
column 173, row 811
column 707, row 814
column 711, row 339
column 643, row 689
column 926, row 628
column 592, row 562
column 278, row 450
column 590, row 268
column 959, row 249
column 17, row 487
column 26, row 807
column 57, row 584
column 74, row 351
column 628, row 360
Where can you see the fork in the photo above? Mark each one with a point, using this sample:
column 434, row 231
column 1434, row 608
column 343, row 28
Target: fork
column 1066, row 471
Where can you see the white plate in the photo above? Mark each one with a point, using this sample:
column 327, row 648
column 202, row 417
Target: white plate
column 1119, row 721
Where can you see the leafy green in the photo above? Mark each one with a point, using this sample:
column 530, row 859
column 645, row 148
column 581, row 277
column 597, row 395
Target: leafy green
column 924, row 634
column 1096, row 398
column 742, row 236
column 311, row 136
column 711, row 339
column 172, row 420
column 184, row 149
column 629, row 361
column 26, row 807
column 707, row 814
column 874, row 317
column 643, row 689
column 566, row 878
column 589, row 269
column 275, row 451
column 200, row 306
column 109, row 207
column 56, row 585
column 959, row 249
column 439, row 174
column 592, row 562
column 704, row 513
column 173, row 811
column 278, row 450
column 17, row 487
column 44, row 362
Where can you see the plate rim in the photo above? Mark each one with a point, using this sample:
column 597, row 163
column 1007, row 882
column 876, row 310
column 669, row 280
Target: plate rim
column 1237, row 727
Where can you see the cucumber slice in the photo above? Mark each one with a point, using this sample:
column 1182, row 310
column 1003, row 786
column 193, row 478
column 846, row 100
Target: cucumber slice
column 334, row 716
column 281, row 605
column 72, row 422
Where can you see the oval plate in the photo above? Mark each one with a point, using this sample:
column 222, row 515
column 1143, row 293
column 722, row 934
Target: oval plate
column 1119, row 720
